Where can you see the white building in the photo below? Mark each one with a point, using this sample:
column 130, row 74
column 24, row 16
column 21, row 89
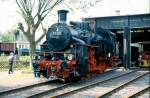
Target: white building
column 23, row 45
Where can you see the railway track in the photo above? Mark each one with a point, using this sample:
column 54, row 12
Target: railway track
column 64, row 86
column 133, row 88
column 22, row 88
column 73, row 92
column 22, row 92
column 35, row 89
column 74, row 88
column 53, row 90
column 147, row 88
column 89, row 86
column 122, row 86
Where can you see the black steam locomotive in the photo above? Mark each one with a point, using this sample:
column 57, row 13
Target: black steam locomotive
column 74, row 50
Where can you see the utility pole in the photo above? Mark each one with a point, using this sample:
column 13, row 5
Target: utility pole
column 16, row 38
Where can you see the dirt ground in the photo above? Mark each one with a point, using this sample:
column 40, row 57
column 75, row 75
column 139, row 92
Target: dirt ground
column 17, row 79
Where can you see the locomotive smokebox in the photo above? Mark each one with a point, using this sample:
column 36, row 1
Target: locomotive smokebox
column 62, row 16
column 59, row 35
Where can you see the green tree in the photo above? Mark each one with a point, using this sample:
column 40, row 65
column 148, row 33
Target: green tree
column 8, row 37
column 34, row 12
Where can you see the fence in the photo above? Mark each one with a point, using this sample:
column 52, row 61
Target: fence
column 21, row 62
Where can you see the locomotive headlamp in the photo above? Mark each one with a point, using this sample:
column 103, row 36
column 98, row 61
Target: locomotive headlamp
column 65, row 55
column 71, row 46
column 109, row 54
column 39, row 57
column 70, row 56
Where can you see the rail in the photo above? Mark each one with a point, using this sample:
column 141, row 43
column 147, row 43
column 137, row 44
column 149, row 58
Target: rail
column 139, row 92
column 59, row 88
column 89, row 86
column 109, row 93
column 11, row 91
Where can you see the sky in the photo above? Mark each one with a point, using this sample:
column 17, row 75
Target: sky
column 9, row 15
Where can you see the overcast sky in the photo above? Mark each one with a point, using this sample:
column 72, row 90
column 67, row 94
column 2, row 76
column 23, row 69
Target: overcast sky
column 9, row 16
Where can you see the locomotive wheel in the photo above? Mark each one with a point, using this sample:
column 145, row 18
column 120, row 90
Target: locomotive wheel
column 82, row 70
column 75, row 79
column 45, row 73
column 66, row 80
column 38, row 74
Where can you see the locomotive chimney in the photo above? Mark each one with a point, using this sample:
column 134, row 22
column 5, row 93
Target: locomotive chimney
column 62, row 16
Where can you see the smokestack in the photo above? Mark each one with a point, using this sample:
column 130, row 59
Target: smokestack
column 62, row 16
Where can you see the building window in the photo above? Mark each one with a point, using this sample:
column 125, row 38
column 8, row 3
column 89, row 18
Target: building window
column 19, row 46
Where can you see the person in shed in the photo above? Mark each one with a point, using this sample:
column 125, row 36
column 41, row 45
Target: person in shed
column 10, row 60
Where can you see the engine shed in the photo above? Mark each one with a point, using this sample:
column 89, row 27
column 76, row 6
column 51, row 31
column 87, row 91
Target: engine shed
column 135, row 29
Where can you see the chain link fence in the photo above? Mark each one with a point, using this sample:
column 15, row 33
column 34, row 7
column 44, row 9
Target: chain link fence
column 20, row 63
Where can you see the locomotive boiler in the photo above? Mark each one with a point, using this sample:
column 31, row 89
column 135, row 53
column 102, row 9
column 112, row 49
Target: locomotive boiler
column 74, row 50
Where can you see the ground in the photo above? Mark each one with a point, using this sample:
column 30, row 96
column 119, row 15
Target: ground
column 23, row 78
column 17, row 79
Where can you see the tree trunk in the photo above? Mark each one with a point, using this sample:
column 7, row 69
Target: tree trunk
column 32, row 51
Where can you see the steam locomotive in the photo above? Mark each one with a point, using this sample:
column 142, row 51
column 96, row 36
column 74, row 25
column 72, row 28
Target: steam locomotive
column 74, row 50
